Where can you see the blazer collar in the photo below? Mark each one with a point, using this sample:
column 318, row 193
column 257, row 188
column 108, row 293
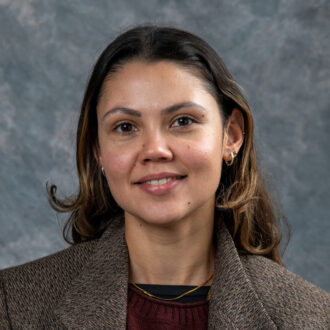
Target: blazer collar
column 234, row 304
column 98, row 295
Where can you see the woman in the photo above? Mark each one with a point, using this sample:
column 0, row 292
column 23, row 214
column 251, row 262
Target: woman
column 172, row 226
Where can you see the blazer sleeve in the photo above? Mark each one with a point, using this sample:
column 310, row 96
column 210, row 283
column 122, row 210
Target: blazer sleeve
column 291, row 301
column 29, row 292
column 4, row 318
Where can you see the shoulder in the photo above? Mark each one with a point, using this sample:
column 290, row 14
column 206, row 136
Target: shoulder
column 63, row 262
column 289, row 299
column 36, row 285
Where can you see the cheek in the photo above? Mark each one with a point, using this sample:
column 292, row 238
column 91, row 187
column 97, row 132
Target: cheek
column 118, row 165
column 205, row 156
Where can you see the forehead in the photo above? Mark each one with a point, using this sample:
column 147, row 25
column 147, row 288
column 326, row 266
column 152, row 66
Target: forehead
column 159, row 84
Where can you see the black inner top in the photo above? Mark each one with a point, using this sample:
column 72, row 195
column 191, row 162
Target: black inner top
column 172, row 291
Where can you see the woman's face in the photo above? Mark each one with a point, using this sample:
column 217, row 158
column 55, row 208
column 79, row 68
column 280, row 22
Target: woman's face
column 160, row 141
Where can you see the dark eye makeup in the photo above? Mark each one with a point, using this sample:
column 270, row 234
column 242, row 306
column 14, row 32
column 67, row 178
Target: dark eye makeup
column 183, row 121
column 125, row 128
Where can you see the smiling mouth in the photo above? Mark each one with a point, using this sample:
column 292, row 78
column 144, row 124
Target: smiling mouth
column 158, row 182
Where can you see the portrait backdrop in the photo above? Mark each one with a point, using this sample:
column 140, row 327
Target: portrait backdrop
column 278, row 51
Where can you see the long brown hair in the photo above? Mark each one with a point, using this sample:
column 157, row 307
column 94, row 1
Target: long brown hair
column 242, row 199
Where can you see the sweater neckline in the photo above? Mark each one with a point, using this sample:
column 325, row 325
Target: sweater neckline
column 169, row 291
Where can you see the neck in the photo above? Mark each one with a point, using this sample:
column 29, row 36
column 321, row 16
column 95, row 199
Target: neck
column 181, row 253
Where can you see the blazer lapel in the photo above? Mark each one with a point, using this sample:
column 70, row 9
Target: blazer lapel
column 234, row 304
column 98, row 296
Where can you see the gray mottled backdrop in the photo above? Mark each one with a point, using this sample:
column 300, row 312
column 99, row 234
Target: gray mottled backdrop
column 279, row 51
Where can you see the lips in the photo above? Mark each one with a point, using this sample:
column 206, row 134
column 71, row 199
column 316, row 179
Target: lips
column 161, row 183
column 159, row 178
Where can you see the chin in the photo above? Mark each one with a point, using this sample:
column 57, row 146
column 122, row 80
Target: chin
column 158, row 217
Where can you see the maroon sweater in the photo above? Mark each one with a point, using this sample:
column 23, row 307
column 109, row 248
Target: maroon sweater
column 144, row 312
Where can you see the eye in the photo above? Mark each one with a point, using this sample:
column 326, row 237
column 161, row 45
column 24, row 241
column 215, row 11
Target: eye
column 183, row 121
column 125, row 128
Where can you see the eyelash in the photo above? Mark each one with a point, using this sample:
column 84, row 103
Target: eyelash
column 184, row 117
column 124, row 123
column 120, row 125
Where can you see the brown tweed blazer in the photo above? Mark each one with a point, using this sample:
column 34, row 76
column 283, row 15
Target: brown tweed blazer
column 85, row 287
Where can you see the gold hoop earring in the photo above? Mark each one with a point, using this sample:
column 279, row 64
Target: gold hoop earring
column 233, row 155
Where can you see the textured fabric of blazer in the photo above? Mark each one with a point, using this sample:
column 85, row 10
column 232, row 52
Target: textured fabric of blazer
column 85, row 287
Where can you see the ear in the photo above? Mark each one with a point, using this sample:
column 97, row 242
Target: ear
column 233, row 135
column 97, row 155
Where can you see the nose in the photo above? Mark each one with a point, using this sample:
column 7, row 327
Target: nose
column 155, row 148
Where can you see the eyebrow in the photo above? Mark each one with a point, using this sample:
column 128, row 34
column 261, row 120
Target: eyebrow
column 165, row 111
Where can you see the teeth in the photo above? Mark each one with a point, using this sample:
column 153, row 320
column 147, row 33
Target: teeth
column 159, row 182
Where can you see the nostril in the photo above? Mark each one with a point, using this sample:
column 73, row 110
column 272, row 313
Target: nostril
column 161, row 159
